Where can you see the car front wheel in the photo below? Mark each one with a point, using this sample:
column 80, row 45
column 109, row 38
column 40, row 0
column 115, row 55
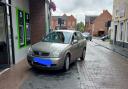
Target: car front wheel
column 66, row 63
column 83, row 54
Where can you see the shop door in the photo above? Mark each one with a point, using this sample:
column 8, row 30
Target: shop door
column 4, row 60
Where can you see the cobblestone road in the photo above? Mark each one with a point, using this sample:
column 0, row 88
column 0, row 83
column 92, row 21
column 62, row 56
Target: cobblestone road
column 102, row 69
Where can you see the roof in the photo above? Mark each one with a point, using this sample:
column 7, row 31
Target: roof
column 56, row 17
column 63, row 30
column 64, row 17
column 90, row 18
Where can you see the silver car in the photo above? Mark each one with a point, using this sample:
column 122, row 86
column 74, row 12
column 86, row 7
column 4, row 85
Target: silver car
column 57, row 50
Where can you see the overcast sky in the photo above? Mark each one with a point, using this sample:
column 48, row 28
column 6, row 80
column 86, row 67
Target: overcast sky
column 80, row 8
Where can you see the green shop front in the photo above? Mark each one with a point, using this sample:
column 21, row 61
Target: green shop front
column 22, row 23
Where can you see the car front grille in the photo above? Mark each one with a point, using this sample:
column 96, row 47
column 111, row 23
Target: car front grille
column 39, row 53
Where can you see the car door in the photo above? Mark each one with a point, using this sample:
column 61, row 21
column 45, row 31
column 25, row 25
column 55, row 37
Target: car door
column 80, row 44
column 74, row 48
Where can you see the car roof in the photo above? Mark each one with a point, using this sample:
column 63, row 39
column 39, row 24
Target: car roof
column 71, row 31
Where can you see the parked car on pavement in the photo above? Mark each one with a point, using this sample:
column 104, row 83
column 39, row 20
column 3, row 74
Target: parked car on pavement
column 87, row 35
column 105, row 37
column 57, row 50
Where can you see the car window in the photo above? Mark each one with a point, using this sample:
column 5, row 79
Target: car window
column 80, row 36
column 74, row 37
column 58, row 37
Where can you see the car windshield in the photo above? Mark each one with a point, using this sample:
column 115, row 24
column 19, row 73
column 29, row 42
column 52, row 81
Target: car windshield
column 58, row 37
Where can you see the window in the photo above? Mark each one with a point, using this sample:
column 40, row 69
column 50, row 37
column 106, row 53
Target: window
column 80, row 36
column 127, row 31
column 23, row 28
column 20, row 25
column 121, row 31
column 27, row 24
column 74, row 37
column 58, row 37
column 117, row 13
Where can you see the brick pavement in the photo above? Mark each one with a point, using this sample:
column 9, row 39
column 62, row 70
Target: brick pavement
column 103, row 69
column 12, row 78
column 122, row 51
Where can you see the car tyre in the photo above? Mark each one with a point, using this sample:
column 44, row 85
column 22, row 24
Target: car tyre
column 83, row 54
column 66, row 63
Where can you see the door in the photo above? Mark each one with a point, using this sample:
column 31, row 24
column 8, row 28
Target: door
column 121, row 34
column 80, row 44
column 115, row 34
column 75, row 47
column 4, row 52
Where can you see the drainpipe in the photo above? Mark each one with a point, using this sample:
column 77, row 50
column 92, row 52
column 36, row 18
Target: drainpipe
column 11, row 29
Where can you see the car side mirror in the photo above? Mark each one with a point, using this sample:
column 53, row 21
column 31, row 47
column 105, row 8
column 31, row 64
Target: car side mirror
column 74, row 41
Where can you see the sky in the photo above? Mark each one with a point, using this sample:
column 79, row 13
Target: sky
column 80, row 8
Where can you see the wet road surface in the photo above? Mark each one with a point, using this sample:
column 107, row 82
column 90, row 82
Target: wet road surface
column 53, row 79
column 102, row 69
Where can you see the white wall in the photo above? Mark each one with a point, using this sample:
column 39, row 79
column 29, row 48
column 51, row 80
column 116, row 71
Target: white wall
column 20, row 54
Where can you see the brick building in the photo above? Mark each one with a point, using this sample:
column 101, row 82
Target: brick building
column 67, row 22
column 89, row 23
column 98, row 24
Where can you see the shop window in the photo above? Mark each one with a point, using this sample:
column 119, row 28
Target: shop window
column 20, row 26
column 23, row 28
column 27, row 24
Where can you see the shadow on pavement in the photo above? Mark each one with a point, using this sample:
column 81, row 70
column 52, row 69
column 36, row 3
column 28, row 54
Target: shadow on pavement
column 37, row 71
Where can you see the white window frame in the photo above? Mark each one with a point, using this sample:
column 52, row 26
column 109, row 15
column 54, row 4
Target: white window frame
column 121, row 31
column 127, row 31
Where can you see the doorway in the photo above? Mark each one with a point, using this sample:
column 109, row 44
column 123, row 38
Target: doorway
column 115, row 34
column 4, row 49
column 101, row 33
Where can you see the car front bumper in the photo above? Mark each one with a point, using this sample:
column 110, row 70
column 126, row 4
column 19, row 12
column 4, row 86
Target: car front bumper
column 57, row 63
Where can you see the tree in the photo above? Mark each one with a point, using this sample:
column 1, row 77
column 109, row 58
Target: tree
column 80, row 27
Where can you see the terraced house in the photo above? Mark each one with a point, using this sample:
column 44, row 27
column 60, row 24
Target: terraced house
column 63, row 22
column 119, row 33
column 22, row 23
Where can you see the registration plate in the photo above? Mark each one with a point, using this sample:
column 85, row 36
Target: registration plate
column 43, row 61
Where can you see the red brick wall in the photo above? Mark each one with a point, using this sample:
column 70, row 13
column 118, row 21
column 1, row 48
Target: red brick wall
column 37, row 20
column 53, row 23
column 99, row 23
column 70, row 19
column 71, row 22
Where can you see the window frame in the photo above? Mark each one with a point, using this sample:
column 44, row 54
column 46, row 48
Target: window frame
column 22, row 24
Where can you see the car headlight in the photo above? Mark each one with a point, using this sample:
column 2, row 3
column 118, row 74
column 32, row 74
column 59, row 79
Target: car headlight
column 30, row 51
column 56, row 54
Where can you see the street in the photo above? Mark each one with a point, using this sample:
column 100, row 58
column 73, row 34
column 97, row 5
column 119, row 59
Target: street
column 102, row 69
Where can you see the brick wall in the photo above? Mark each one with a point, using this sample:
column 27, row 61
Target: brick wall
column 37, row 20
column 99, row 23
column 70, row 22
